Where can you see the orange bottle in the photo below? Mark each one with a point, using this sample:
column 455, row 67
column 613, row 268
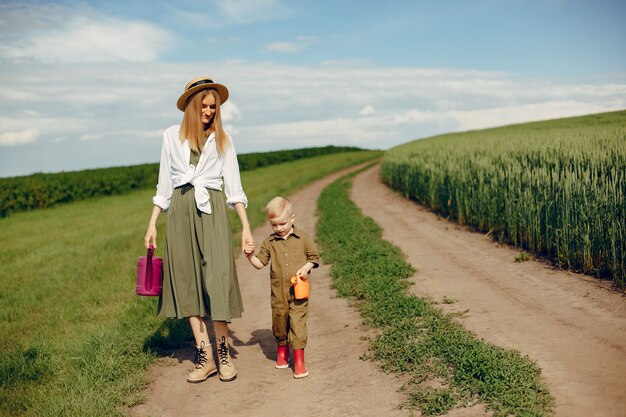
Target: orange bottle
column 301, row 287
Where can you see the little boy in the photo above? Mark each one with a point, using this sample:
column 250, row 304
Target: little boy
column 292, row 252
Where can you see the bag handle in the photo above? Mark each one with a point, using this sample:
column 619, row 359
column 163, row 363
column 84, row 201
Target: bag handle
column 149, row 255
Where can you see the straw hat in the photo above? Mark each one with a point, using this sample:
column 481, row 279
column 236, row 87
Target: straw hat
column 201, row 83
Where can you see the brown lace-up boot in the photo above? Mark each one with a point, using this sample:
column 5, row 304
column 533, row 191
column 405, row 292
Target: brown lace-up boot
column 226, row 368
column 205, row 366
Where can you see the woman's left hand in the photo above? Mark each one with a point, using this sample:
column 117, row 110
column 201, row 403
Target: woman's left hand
column 246, row 239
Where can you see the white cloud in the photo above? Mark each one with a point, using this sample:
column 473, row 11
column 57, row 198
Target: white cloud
column 416, row 117
column 483, row 118
column 19, row 137
column 126, row 134
column 282, row 47
column 57, row 34
column 344, row 130
column 149, row 134
column 230, row 111
column 218, row 14
column 271, row 106
column 299, row 45
column 367, row 110
column 247, row 11
column 231, row 130
column 92, row 136
column 23, row 121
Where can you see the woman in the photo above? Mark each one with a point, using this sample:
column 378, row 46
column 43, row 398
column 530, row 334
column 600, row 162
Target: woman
column 200, row 280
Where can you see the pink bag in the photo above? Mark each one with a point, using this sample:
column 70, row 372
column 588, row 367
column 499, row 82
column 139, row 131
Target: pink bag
column 149, row 274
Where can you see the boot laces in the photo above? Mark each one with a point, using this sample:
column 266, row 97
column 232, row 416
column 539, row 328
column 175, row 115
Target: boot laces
column 222, row 351
column 200, row 360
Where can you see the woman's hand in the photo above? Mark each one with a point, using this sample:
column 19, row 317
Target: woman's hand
column 247, row 241
column 246, row 234
column 151, row 236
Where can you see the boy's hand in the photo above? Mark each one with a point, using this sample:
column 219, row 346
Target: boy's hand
column 249, row 248
column 303, row 272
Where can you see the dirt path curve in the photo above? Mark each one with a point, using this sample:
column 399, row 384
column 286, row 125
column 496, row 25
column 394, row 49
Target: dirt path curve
column 340, row 384
column 571, row 325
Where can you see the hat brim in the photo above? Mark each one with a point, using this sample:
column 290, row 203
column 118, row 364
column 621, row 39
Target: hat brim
column 222, row 91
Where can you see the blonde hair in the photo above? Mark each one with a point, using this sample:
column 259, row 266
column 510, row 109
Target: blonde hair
column 277, row 207
column 192, row 129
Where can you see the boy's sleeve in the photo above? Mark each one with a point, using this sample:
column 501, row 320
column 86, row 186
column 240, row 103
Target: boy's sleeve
column 264, row 253
column 311, row 253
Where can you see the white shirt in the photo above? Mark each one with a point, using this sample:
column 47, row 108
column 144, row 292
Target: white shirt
column 175, row 170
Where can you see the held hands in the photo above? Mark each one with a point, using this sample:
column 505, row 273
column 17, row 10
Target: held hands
column 249, row 249
column 247, row 242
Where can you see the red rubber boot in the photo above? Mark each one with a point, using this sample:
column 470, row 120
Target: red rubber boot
column 282, row 357
column 299, row 370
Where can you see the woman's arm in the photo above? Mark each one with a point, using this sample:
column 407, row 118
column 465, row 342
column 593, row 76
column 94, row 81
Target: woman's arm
column 232, row 178
column 164, row 185
column 151, row 233
column 246, row 234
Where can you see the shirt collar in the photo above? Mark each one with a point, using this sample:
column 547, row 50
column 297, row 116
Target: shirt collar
column 294, row 233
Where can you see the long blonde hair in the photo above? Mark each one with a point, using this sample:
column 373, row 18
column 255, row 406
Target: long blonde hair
column 192, row 129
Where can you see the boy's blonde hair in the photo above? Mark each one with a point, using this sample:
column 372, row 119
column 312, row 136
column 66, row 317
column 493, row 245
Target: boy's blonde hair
column 277, row 207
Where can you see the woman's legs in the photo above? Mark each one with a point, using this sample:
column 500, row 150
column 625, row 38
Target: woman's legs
column 221, row 330
column 199, row 329
column 205, row 364
column 226, row 367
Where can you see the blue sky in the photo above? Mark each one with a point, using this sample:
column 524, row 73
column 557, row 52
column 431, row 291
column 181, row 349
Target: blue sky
column 94, row 84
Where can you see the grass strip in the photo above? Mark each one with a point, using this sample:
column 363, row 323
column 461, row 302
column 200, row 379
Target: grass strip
column 74, row 338
column 447, row 366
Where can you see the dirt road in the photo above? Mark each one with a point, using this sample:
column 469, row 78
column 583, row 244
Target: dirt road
column 340, row 384
column 573, row 326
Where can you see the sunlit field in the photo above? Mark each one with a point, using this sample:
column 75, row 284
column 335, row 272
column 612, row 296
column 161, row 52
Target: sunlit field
column 554, row 188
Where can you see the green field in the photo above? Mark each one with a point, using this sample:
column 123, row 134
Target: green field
column 554, row 188
column 74, row 338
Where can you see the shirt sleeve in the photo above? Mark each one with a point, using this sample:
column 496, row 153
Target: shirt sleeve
column 311, row 253
column 164, row 186
column 232, row 178
column 264, row 253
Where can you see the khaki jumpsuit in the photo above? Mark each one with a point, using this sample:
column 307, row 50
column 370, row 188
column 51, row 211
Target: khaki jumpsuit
column 287, row 257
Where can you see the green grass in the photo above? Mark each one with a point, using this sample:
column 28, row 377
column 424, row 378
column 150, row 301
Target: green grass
column 74, row 338
column 415, row 338
column 553, row 188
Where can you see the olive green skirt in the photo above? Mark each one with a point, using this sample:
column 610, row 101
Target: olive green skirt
column 199, row 275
